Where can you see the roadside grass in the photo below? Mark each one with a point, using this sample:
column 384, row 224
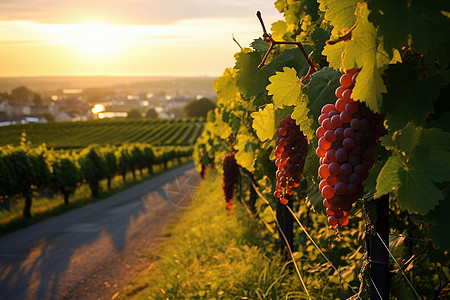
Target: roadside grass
column 47, row 205
column 211, row 255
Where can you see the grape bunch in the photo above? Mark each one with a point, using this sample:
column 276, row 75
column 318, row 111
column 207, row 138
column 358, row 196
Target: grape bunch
column 230, row 178
column 291, row 149
column 347, row 134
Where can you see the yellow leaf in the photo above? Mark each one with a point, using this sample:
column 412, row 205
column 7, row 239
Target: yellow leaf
column 361, row 52
column 285, row 87
column 264, row 122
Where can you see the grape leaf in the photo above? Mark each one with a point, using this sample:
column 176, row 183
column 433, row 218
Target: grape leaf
column 410, row 97
column 388, row 178
column 415, row 167
column 439, row 219
column 341, row 14
column 285, row 87
column 264, row 122
column 415, row 23
column 245, row 155
column 321, row 90
column 221, row 129
column 301, row 115
column 334, row 54
column 259, row 45
column 311, row 175
column 252, row 81
column 361, row 52
column 225, row 86
column 279, row 29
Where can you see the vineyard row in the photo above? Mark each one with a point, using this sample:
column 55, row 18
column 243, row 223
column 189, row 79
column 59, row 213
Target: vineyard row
column 69, row 135
column 25, row 170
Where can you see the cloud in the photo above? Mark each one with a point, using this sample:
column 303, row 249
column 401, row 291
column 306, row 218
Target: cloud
column 132, row 12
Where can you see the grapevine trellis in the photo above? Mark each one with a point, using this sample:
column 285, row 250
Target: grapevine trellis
column 367, row 83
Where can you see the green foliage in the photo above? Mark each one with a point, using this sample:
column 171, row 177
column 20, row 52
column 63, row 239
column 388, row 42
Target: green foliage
column 199, row 108
column 151, row 113
column 134, row 113
column 26, row 171
column 66, row 175
column 341, row 14
column 418, row 24
column 217, row 257
column 416, row 166
column 401, row 50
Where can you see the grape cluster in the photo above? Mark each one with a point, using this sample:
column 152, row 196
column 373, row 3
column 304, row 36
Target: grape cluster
column 230, row 178
column 291, row 149
column 349, row 131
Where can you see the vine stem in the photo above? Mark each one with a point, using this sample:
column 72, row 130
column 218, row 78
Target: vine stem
column 268, row 39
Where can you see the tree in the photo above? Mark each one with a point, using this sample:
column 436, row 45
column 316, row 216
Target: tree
column 22, row 93
column 49, row 116
column 151, row 114
column 134, row 114
column 199, row 108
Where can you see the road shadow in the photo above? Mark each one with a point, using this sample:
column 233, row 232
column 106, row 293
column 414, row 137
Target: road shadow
column 78, row 254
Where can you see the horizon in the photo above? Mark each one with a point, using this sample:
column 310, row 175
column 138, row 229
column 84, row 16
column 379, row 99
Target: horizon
column 116, row 38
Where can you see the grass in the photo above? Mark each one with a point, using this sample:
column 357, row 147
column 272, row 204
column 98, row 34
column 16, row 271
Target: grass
column 211, row 255
column 44, row 207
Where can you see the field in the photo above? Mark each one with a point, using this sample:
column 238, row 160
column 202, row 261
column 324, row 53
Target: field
column 66, row 135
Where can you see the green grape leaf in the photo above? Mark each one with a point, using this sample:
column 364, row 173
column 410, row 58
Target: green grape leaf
column 416, row 167
column 361, row 52
column 285, row 87
column 439, row 219
column 341, row 14
column 225, row 86
column 321, row 91
column 334, row 54
column 419, row 24
column 410, row 97
column 252, row 81
column 400, row 290
column 264, row 122
column 388, row 178
column 245, row 155
column 312, row 177
column 259, row 45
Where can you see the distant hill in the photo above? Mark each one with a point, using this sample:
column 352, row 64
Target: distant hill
column 48, row 84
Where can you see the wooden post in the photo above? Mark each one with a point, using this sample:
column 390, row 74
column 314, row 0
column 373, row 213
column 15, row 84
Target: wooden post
column 378, row 254
column 286, row 221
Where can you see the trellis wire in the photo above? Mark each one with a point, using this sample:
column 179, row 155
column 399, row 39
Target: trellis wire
column 307, row 234
column 400, row 267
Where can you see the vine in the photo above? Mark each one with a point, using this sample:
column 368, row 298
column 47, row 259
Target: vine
column 403, row 76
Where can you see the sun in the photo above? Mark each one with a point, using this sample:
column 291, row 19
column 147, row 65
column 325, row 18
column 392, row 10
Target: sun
column 98, row 40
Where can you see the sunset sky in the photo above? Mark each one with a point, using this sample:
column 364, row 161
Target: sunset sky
column 126, row 37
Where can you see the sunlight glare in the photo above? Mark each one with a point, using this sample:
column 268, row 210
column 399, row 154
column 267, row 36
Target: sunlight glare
column 98, row 108
column 98, row 40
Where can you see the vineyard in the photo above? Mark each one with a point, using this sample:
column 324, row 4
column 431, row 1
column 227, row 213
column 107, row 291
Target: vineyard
column 66, row 135
column 333, row 131
column 61, row 158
